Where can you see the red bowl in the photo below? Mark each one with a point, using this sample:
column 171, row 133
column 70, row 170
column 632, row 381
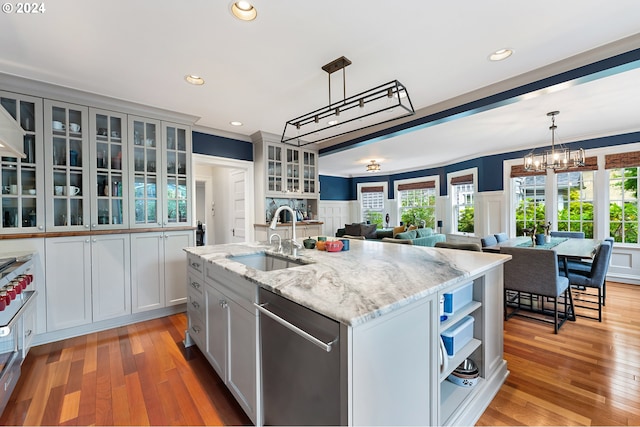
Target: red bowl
column 333, row 246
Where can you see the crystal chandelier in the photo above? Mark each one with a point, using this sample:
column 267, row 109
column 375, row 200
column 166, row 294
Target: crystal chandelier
column 558, row 158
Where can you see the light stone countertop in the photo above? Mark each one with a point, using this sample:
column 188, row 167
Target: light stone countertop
column 352, row 287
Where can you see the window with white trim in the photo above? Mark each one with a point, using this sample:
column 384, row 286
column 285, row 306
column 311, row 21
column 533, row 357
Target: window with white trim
column 624, row 177
column 462, row 193
column 372, row 204
column 417, row 202
column 576, row 201
column 529, row 196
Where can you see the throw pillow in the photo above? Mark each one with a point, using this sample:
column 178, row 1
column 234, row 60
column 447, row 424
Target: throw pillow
column 413, row 227
column 397, row 230
column 411, row 234
column 424, row 232
column 381, row 234
column 352, row 229
column 368, row 230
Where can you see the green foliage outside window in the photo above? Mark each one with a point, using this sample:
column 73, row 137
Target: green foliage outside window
column 623, row 214
column 579, row 216
column 374, row 217
column 528, row 214
column 465, row 220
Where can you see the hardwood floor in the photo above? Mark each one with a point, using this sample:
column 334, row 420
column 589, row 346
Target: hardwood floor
column 588, row 374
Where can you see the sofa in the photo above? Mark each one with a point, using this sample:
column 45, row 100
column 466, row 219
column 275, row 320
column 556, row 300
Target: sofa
column 369, row 232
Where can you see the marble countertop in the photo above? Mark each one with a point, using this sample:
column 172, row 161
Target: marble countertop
column 355, row 286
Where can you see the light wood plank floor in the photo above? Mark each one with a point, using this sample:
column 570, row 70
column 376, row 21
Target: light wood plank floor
column 588, row 374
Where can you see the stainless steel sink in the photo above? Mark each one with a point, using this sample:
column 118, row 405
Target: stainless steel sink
column 266, row 262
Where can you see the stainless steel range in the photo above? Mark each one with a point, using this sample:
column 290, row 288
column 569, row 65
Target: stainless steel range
column 17, row 321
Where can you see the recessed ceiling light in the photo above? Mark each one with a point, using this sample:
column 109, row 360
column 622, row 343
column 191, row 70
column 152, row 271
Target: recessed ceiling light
column 501, row 54
column 194, row 80
column 243, row 10
column 235, row 123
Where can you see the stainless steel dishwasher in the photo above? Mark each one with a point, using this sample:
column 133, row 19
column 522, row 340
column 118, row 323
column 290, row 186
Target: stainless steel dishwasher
column 302, row 379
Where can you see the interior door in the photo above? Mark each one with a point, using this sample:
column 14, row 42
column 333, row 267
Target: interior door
column 237, row 178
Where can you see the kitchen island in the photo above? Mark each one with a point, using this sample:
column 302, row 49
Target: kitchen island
column 386, row 300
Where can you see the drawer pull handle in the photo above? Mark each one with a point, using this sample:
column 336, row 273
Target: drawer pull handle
column 223, row 303
column 195, row 285
column 195, row 304
column 195, row 329
column 195, row 264
column 29, row 332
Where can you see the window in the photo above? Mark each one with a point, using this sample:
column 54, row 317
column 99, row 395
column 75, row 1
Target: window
column 529, row 197
column 418, row 203
column 623, row 204
column 575, row 202
column 624, row 175
column 462, row 191
column 372, row 200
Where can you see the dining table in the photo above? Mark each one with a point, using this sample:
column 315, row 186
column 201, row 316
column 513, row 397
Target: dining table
column 565, row 247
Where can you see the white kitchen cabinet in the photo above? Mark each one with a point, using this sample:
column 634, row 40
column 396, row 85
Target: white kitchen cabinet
column 87, row 279
column 232, row 331
column 22, row 180
column 109, row 172
column 158, row 264
column 160, row 165
column 67, row 182
column 290, row 171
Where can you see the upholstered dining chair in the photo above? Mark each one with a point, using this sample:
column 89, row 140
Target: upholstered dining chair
column 585, row 266
column 531, row 280
column 595, row 278
column 461, row 246
column 488, row 241
column 501, row 237
column 572, row 234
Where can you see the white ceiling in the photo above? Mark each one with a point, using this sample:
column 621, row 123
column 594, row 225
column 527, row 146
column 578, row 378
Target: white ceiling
column 265, row 72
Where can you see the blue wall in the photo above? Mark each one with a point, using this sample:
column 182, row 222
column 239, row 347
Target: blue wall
column 490, row 170
column 219, row 146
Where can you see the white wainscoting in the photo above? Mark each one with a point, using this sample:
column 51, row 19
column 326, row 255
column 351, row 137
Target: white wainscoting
column 492, row 215
column 625, row 264
column 334, row 214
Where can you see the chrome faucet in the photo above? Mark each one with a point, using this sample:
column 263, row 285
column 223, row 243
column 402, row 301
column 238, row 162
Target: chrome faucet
column 294, row 244
column 279, row 241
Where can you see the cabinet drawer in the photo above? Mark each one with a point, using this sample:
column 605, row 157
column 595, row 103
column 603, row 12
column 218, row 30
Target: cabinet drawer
column 195, row 305
column 197, row 331
column 194, row 283
column 29, row 329
column 196, row 265
column 237, row 288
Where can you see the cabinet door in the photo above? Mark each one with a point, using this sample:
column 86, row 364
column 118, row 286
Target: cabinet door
column 145, row 156
column 242, row 356
column 22, row 180
column 147, row 271
column 309, row 169
column 68, row 278
column 274, row 169
column 176, row 167
column 175, row 264
column 217, row 315
column 292, row 170
column 66, row 162
column 109, row 160
column 110, row 276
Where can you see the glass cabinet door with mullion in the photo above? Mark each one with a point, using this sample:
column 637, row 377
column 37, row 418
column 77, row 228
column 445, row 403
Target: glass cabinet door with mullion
column 22, row 179
column 144, row 166
column 293, row 170
column 274, row 169
column 67, row 178
column 309, row 172
column 109, row 182
column 176, row 166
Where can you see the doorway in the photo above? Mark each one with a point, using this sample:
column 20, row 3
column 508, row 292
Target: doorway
column 224, row 197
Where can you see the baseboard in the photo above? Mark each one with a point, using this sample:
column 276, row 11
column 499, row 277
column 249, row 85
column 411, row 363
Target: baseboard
column 106, row 324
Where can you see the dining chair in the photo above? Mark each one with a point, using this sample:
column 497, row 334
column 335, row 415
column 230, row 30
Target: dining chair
column 501, row 237
column 595, row 278
column 489, row 240
column 585, row 266
column 572, row 234
column 531, row 280
column 461, row 246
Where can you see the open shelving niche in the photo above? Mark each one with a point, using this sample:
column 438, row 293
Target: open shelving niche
column 452, row 396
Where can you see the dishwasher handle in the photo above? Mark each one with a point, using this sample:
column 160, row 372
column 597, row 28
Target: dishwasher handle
column 325, row 346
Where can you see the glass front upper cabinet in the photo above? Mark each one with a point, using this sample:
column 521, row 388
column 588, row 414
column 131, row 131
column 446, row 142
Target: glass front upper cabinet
column 274, row 168
column 144, row 162
column 67, row 179
column 109, row 180
column 177, row 170
column 22, row 179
